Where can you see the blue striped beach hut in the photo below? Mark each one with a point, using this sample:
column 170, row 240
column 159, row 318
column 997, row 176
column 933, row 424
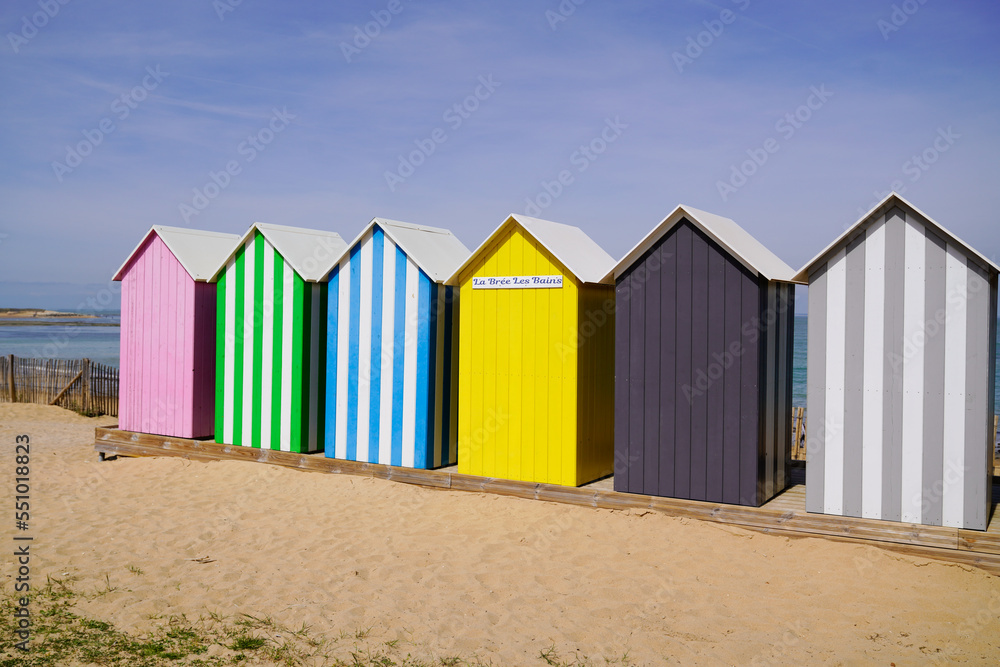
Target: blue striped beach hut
column 392, row 348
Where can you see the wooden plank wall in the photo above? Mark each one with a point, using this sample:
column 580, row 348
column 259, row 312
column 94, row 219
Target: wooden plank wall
column 519, row 375
column 901, row 374
column 167, row 346
column 390, row 352
column 694, row 358
column 77, row 384
column 776, row 329
column 596, row 382
column 270, row 378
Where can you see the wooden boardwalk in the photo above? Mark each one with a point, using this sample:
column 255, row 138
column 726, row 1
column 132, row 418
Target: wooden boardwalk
column 784, row 515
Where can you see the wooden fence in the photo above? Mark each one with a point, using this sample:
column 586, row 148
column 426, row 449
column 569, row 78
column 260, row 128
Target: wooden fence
column 798, row 434
column 799, row 438
column 77, row 384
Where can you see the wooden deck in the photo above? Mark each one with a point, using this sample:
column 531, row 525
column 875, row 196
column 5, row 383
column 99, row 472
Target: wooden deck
column 784, row 515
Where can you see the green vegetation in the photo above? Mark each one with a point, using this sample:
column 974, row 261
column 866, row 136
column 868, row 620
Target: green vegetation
column 551, row 657
column 61, row 636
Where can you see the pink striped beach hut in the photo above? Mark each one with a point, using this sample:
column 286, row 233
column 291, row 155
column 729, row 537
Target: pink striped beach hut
column 167, row 368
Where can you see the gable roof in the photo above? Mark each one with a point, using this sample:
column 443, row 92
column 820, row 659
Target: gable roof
column 734, row 239
column 581, row 256
column 436, row 251
column 197, row 251
column 891, row 201
column 308, row 251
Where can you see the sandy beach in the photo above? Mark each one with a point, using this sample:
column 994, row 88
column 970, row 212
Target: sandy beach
column 434, row 574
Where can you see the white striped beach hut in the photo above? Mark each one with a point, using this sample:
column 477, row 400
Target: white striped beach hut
column 901, row 367
column 392, row 348
column 271, row 337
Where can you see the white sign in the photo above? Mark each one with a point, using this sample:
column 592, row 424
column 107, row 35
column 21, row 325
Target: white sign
column 518, row 282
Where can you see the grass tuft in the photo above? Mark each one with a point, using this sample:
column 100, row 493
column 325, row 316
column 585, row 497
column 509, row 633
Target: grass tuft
column 62, row 636
column 247, row 643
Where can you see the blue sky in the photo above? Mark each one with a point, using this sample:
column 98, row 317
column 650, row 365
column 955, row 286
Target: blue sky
column 668, row 96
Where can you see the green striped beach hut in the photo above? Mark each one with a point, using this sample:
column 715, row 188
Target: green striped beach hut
column 271, row 338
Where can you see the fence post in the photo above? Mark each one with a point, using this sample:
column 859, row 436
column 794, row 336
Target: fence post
column 805, row 435
column 85, row 381
column 10, row 378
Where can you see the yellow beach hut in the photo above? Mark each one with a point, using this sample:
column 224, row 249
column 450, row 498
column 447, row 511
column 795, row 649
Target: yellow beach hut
column 536, row 363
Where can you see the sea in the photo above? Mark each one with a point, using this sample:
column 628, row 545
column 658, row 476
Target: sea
column 71, row 340
column 62, row 338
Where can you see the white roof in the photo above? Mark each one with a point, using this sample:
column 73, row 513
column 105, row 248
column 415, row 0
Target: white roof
column 436, row 251
column 891, row 200
column 581, row 256
column 734, row 239
column 199, row 252
column 308, row 251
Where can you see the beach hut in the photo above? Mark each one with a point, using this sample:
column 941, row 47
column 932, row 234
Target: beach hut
column 901, row 368
column 392, row 353
column 703, row 363
column 271, row 338
column 167, row 361
column 536, row 364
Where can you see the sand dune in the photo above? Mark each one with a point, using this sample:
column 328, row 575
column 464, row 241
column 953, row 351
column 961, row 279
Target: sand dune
column 451, row 573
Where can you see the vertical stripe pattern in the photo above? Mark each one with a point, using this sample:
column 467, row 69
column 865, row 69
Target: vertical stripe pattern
column 393, row 403
column 872, row 376
column 914, row 286
column 269, row 377
column 899, row 373
column 836, row 286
